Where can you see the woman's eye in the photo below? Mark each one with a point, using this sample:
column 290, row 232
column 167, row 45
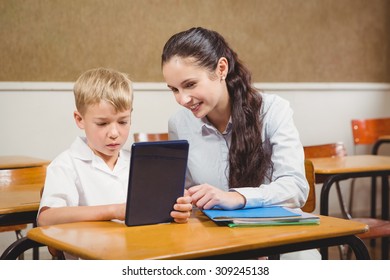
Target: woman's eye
column 190, row 85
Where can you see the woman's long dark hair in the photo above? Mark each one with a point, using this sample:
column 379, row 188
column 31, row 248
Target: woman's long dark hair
column 249, row 161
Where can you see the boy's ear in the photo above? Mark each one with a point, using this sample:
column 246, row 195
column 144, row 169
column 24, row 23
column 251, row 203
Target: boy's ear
column 79, row 119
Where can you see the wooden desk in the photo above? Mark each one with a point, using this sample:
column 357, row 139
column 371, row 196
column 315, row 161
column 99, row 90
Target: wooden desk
column 12, row 162
column 200, row 238
column 21, row 180
column 342, row 168
column 19, row 204
column 348, row 167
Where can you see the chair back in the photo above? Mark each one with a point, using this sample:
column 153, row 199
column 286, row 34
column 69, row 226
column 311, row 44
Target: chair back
column 325, row 150
column 367, row 131
column 150, row 137
column 310, row 204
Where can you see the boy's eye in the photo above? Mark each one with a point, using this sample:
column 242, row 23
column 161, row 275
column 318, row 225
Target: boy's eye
column 190, row 85
column 123, row 122
column 101, row 124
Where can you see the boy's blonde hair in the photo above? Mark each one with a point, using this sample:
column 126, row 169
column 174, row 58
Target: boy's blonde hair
column 100, row 84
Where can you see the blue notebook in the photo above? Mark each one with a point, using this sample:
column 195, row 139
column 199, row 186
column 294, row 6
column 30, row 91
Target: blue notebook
column 275, row 215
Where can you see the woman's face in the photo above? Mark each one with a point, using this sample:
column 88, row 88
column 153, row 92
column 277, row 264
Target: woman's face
column 199, row 90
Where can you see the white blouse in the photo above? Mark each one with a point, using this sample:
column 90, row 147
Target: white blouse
column 209, row 150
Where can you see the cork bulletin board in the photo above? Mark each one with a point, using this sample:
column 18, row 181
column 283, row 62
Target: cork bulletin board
column 279, row 40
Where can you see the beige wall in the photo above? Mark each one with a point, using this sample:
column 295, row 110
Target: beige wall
column 279, row 40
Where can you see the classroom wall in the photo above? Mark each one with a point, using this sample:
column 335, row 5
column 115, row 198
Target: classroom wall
column 37, row 118
column 279, row 40
column 329, row 58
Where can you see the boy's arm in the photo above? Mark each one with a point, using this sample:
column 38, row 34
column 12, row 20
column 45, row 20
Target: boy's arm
column 60, row 215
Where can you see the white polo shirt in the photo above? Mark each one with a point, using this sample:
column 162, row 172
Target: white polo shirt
column 77, row 177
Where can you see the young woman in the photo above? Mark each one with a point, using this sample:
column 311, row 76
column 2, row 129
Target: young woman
column 245, row 150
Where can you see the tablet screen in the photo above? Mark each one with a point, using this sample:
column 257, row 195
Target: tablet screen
column 156, row 180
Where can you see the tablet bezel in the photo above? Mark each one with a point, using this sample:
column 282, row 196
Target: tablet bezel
column 156, row 180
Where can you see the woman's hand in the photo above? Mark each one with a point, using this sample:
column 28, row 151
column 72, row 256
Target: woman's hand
column 182, row 208
column 206, row 196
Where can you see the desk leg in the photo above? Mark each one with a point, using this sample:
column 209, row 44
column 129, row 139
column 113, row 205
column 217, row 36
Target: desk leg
column 324, row 206
column 18, row 247
column 331, row 179
column 35, row 249
column 373, row 197
column 359, row 248
column 385, row 197
column 324, row 201
column 385, row 215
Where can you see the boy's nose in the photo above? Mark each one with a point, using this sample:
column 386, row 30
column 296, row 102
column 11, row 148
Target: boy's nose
column 113, row 133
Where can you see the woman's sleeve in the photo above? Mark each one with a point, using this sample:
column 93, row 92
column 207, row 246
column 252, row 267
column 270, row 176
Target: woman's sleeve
column 172, row 131
column 174, row 135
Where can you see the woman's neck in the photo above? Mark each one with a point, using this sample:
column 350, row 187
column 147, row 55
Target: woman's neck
column 220, row 116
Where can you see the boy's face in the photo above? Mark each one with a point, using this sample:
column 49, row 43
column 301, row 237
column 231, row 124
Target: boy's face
column 106, row 130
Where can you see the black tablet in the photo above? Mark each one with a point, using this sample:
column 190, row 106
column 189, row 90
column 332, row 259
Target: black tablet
column 156, row 180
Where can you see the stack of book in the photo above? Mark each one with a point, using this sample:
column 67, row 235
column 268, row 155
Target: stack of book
column 262, row 216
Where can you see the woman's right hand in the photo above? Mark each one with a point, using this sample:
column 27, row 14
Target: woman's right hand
column 206, row 196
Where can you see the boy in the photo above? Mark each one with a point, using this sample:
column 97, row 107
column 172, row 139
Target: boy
column 88, row 182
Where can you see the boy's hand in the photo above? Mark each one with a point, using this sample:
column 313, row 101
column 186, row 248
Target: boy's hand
column 182, row 208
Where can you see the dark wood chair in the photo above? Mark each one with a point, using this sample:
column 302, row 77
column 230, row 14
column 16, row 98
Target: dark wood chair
column 148, row 137
column 377, row 228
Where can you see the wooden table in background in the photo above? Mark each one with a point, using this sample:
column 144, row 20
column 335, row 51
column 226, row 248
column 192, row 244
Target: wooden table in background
column 19, row 203
column 11, row 162
column 349, row 167
column 21, row 180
